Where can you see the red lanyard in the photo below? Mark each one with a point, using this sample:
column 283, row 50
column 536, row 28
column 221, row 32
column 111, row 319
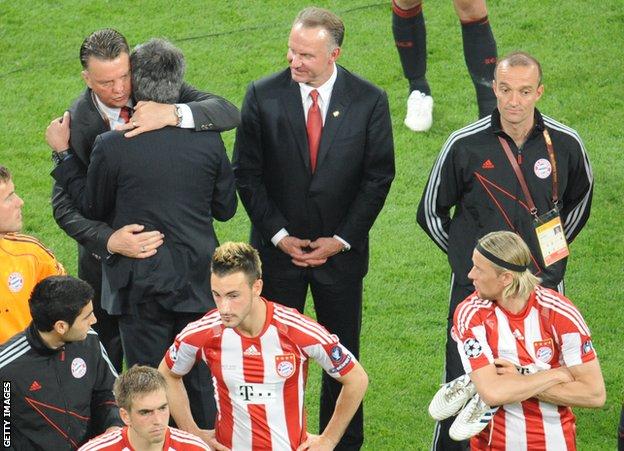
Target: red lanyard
column 520, row 175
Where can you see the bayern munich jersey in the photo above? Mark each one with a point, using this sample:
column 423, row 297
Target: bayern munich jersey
column 117, row 440
column 260, row 381
column 548, row 333
column 24, row 262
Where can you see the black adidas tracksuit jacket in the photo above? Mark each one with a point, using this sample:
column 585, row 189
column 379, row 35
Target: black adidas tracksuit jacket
column 58, row 398
column 473, row 174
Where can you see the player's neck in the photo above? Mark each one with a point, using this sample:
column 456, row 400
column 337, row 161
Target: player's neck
column 253, row 324
column 140, row 444
column 51, row 339
column 518, row 132
column 513, row 305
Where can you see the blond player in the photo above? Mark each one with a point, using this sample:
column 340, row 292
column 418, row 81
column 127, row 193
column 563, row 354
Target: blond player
column 527, row 349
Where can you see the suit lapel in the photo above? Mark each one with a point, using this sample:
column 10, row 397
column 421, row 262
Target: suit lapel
column 336, row 113
column 86, row 124
column 294, row 112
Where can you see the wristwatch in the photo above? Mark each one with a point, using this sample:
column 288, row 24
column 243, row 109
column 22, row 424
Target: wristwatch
column 178, row 113
column 59, row 157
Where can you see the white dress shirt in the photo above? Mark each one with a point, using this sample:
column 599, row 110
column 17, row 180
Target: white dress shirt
column 112, row 114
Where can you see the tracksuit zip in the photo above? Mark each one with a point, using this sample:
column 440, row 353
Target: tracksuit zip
column 58, row 381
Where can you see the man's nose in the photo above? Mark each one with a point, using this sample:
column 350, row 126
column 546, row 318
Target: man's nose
column 118, row 85
column 225, row 306
column 295, row 61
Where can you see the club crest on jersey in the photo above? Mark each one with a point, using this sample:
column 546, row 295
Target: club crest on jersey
column 285, row 365
column 542, row 168
column 472, row 348
column 78, row 368
column 544, row 350
column 15, row 282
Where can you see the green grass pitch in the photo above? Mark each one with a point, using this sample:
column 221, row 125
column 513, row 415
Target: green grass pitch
column 229, row 43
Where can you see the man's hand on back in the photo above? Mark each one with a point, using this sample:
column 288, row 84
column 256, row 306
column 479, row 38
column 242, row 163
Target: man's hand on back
column 149, row 116
column 131, row 241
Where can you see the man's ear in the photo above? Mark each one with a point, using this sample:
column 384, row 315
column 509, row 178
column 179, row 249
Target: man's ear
column 540, row 92
column 125, row 416
column 61, row 327
column 257, row 287
column 507, row 278
column 334, row 54
column 86, row 78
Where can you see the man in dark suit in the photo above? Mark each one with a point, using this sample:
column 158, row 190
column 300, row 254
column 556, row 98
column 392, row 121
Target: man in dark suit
column 172, row 180
column 105, row 59
column 313, row 162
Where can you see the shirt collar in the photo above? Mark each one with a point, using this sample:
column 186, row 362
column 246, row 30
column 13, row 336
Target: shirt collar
column 37, row 343
column 497, row 128
column 111, row 113
column 325, row 90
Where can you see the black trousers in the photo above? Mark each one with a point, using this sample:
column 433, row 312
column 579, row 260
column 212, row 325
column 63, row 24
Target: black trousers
column 147, row 334
column 338, row 308
column 621, row 431
column 107, row 326
column 453, row 368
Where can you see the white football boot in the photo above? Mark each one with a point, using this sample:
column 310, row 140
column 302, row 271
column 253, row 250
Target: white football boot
column 472, row 419
column 419, row 115
column 451, row 397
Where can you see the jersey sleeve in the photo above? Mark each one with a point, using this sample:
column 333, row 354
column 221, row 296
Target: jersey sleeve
column 469, row 333
column 50, row 266
column 186, row 350
column 46, row 263
column 571, row 330
column 333, row 357
column 316, row 342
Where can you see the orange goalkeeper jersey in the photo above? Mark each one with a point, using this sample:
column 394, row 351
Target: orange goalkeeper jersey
column 24, row 261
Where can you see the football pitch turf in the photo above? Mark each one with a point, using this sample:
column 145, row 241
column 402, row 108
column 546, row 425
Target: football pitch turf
column 228, row 44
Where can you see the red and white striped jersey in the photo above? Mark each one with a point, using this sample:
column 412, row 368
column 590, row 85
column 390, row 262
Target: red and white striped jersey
column 548, row 333
column 260, row 382
column 117, row 440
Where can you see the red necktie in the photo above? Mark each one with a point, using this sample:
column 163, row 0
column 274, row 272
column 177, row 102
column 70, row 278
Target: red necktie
column 314, row 127
column 124, row 114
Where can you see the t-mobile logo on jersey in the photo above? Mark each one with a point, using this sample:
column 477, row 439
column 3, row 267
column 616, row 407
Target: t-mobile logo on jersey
column 256, row 393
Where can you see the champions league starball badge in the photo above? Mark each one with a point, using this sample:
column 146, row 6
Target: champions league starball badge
column 472, row 348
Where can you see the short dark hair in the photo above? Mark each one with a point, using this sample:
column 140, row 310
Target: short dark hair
column 138, row 380
column 5, row 175
column 519, row 58
column 58, row 298
column 234, row 257
column 106, row 44
column 313, row 17
column 157, row 71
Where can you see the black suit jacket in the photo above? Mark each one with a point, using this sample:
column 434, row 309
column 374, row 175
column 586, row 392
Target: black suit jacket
column 355, row 167
column 210, row 112
column 172, row 180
